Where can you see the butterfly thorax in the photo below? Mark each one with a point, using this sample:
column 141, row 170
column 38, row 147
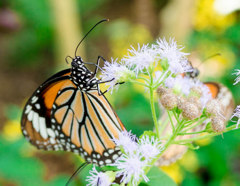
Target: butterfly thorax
column 81, row 76
column 193, row 74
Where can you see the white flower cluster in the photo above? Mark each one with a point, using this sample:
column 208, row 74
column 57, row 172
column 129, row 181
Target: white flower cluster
column 170, row 51
column 139, row 60
column 186, row 84
column 144, row 59
column 138, row 153
column 114, row 73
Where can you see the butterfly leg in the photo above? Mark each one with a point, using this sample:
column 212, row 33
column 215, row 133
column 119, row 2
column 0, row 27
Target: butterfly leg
column 100, row 82
column 98, row 62
column 102, row 93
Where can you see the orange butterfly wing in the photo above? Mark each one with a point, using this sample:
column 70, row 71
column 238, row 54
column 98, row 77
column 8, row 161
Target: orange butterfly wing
column 59, row 116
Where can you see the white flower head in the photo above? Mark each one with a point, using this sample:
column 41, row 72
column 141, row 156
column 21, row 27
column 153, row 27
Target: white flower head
column 236, row 113
column 127, row 141
column 177, row 60
column 237, row 73
column 139, row 60
column 206, row 95
column 149, row 147
column 115, row 73
column 180, row 84
column 131, row 168
column 170, row 82
column 97, row 178
column 185, row 84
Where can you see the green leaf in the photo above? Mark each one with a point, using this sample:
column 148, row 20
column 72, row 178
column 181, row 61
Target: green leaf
column 158, row 178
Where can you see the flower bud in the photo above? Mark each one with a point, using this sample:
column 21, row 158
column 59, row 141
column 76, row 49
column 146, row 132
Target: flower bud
column 213, row 107
column 195, row 101
column 218, row 124
column 197, row 91
column 180, row 102
column 162, row 90
column 169, row 101
column 190, row 111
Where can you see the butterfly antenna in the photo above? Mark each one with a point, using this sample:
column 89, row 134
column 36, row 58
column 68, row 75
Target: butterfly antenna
column 88, row 33
column 66, row 59
column 76, row 172
column 210, row 57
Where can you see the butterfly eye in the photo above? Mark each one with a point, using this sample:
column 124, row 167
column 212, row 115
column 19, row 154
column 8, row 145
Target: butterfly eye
column 197, row 72
column 74, row 63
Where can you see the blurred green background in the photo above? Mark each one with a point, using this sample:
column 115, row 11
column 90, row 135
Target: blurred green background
column 36, row 36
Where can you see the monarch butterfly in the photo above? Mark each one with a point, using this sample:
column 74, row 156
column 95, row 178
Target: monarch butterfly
column 219, row 92
column 68, row 112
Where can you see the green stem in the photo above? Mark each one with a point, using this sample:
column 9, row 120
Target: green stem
column 139, row 83
column 193, row 126
column 189, row 133
column 163, row 126
column 164, row 76
column 151, row 91
column 172, row 124
column 153, row 111
column 143, row 78
column 176, row 117
column 205, row 136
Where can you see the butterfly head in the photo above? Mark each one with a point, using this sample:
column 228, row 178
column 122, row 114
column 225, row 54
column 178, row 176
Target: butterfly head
column 193, row 74
column 77, row 62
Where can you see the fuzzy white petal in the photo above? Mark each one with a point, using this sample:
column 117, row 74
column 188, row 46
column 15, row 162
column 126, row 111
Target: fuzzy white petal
column 139, row 59
column 115, row 73
column 97, row 178
column 177, row 60
column 131, row 168
column 149, row 147
column 127, row 141
column 236, row 114
column 237, row 73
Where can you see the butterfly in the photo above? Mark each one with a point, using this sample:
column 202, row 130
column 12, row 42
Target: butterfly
column 69, row 112
column 218, row 91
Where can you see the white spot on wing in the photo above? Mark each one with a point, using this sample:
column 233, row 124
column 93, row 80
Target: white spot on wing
column 28, row 108
column 37, row 106
column 51, row 133
column 52, row 140
column 35, row 121
column 43, row 129
column 34, row 99
column 30, row 115
column 100, row 162
column 115, row 156
column 108, row 161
